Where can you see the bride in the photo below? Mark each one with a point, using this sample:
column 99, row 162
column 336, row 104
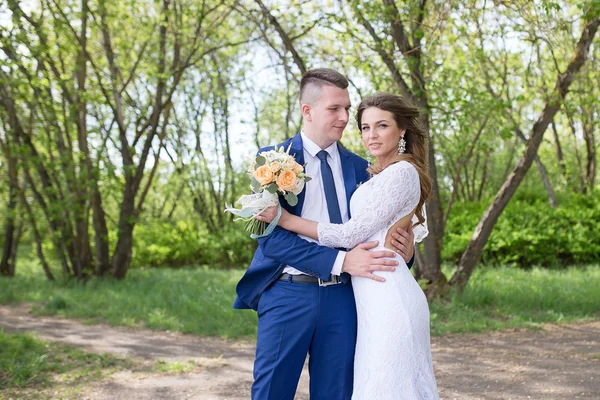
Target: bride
column 393, row 353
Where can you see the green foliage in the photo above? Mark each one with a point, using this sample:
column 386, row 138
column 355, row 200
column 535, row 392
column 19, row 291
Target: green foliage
column 291, row 199
column 57, row 303
column 199, row 300
column 500, row 298
column 487, row 73
column 530, row 232
column 166, row 244
column 174, row 367
column 21, row 360
column 26, row 361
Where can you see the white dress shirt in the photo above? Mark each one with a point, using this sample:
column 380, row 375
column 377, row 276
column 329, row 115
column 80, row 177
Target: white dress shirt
column 315, row 204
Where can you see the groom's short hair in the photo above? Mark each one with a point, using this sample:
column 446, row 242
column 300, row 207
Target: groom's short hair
column 313, row 80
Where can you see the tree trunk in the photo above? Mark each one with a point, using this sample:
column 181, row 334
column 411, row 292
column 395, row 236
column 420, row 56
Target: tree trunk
column 418, row 262
column 122, row 256
column 559, row 154
column 88, row 174
column 61, row 233
column 15, row 248
column 590, row 144
column 36, row 236
column 417, row 93
column 134, row 173
column 7, row 267
column 483, row 179
column 432, row 244
column 84, row 261
column 482, row 233
column 100, row 231
column 546, row 182
column 575, row 148
column 542, row 171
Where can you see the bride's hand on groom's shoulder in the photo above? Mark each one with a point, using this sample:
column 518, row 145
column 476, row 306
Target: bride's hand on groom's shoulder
column 361, row 262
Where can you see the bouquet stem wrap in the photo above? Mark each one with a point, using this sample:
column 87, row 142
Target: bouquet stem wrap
column 252, row 204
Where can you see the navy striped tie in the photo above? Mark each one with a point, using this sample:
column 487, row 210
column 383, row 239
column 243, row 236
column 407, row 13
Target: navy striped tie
column 333, row 207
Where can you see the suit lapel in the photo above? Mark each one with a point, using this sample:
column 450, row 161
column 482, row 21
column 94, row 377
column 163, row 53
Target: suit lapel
column 349, row 174
column 297, row 150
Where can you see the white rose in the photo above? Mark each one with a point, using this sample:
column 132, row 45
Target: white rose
column 299, row 187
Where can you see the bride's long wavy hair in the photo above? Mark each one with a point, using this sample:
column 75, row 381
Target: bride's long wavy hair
column 407, row 117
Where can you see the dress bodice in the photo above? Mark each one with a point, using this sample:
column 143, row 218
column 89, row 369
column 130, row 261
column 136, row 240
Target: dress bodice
column 376, row 206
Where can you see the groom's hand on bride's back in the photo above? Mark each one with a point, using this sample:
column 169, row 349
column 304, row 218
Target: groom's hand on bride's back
column 404, row 242
column 361, row 262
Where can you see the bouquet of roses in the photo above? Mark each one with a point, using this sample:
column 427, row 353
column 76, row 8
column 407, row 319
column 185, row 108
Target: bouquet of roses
column 272, row 172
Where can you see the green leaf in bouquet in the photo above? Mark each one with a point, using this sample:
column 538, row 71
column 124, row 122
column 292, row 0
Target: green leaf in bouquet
column 256, row 187
column 272, row 188
column 307, row 178
column 291, row 198
column 260, row 161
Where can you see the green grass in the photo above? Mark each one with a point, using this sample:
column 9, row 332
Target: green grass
column 199, row 300
column 503, row 298
column 174, row 367
column 27, row 362
column 186, row 300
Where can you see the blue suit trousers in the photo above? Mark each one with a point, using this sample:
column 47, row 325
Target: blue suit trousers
column 296, row 319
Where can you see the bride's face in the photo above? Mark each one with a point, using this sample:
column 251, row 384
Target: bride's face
column 380, row 134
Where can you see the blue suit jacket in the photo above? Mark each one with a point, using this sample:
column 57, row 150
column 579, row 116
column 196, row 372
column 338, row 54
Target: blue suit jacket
column 282, row 247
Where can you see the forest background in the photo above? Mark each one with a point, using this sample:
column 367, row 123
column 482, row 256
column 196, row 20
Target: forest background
column 125, row 127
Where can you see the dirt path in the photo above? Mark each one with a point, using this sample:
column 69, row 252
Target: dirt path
column 558, row 362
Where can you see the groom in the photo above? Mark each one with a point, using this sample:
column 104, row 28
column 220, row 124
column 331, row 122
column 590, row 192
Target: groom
column 300, row 290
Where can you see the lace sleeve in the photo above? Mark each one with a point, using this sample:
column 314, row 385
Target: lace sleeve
column 395, row 194
column 420, row 230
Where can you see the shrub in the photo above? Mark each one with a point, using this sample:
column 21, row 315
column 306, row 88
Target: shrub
column 530, row 232
column 168, row 244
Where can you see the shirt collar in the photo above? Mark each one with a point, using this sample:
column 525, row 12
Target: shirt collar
column 312, row 148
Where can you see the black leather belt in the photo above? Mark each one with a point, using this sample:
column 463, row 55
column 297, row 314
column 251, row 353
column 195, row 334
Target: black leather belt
column 333, row 279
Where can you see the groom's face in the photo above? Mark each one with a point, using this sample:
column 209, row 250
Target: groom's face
column 330, row 113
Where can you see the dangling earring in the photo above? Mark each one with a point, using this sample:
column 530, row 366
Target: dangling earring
column 401, row 145
column 369, row 157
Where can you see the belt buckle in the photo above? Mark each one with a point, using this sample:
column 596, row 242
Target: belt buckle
column 334, row 280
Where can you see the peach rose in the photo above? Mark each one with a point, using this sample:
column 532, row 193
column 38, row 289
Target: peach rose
column 289, row 163
column 286, row 180
column 275, row 166
column 298, row 168
column 263, row 174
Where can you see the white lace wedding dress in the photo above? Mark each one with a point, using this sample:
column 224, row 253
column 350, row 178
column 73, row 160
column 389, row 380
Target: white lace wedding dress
column 393, row 352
